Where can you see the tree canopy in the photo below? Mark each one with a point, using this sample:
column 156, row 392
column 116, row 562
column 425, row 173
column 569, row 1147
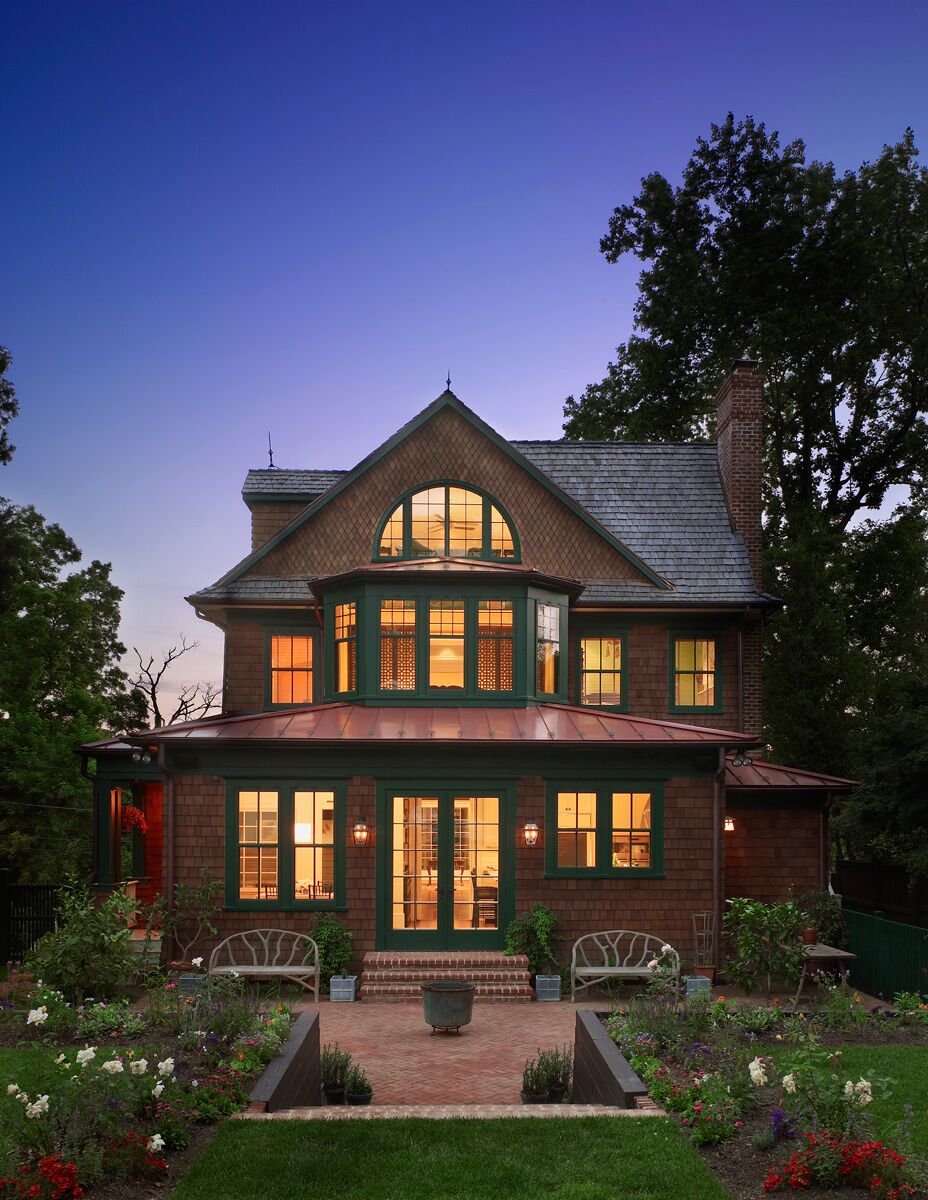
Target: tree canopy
column 61, row 685
column 821, row 276
column 9, row 405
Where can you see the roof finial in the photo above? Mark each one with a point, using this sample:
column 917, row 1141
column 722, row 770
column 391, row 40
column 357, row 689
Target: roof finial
column 448, row 380
column 270, row 453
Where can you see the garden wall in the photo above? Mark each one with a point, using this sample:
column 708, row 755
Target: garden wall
column 601, row 1073
column 293, row 1079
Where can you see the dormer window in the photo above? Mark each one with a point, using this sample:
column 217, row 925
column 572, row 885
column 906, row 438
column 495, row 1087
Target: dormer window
column 446, row 520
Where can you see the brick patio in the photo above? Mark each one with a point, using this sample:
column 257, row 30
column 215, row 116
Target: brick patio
column 483, row 1065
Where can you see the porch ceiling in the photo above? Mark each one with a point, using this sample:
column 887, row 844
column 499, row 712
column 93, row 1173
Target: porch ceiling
column 541, row 723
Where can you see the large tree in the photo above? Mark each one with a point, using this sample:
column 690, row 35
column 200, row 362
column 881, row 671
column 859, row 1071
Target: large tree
column 60, row 685
column 822, row 277
column 9, row 405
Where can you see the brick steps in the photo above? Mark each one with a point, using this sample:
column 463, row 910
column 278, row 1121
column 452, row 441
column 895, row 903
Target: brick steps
column 396, row 976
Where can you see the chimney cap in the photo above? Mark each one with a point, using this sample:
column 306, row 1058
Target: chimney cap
column 744, row 361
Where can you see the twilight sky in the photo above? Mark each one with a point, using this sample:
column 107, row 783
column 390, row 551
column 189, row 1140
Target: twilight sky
column 219, row 218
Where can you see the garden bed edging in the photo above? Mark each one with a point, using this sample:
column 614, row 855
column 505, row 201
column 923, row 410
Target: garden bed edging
column 293, row 1079
column 602, row 1074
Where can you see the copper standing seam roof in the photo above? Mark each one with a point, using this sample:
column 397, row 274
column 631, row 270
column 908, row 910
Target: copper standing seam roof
column 343, row 722
column 760, row 776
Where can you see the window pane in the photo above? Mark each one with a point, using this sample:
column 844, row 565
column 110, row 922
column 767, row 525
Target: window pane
column 576, row 829
column 494, row 645
column 248, row 816
column 429, row 522
column 446, row 644
column 465, row 523
column 548, row 621
column 600, row 671
column 501, row 543
column 346, row 666
column 291, row 669
column 686, row 690
column 621, row 810
column 685, row 654
column 391, row 538
column 398, row 645
column 346, row 620
column 267, row 802
column 631, row 818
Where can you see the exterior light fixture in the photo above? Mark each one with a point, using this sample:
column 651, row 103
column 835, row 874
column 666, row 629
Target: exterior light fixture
column 729, row 824
column 742, row 760
column 531, row 833
column 360, row 833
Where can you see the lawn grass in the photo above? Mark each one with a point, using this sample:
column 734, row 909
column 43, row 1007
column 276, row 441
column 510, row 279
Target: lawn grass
column 31, row 1066
column 585, row 1158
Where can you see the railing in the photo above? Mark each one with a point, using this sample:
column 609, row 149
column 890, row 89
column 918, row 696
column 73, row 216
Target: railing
column 891, row 957
column 27, row 911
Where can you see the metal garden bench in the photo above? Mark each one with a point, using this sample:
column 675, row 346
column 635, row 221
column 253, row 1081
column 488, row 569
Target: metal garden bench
column 617, row 954
column 269, row 954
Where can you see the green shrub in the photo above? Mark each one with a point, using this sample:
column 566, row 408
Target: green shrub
column 334, row 1066
column 335, row 945
column 96, row 1019
column 765, row 940
column 357, row 1083
column 532, row 934
column 193, row 912
column 823, row 912
column 91, row 952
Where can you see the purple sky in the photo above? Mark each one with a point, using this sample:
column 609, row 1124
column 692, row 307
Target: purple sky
column 220, row 218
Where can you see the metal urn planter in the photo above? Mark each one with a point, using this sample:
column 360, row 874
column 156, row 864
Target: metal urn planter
column 448, row 1004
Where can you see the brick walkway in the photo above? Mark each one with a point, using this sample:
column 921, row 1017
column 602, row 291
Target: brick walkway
column 408, row 1065
column 442, row 1112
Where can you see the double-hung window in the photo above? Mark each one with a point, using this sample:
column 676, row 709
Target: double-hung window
column 346, row 647
column 398, row 645
column 547, row 648
column 291, row 668
column 601, row 671
column 494, row 645
column 604, row 830
column 695, row 674
column 285, row 845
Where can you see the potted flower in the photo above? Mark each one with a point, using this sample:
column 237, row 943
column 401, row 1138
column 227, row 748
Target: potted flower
column 358, row 1088
column 556, row 1067
column 334, row 1066
column 534, row 1083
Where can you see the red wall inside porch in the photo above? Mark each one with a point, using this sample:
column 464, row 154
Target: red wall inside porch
column 154, row 845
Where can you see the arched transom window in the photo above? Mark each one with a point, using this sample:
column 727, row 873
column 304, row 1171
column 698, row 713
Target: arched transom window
column 446, row 519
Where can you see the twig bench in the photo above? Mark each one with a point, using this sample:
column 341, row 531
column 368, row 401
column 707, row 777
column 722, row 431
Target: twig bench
column 617, row 954
column 269, row 954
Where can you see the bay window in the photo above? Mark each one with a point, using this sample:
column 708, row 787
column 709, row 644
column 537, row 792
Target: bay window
column 494, row 645
column 446, row 644
column 346, row 647
column 547, row 648
column 398, row 645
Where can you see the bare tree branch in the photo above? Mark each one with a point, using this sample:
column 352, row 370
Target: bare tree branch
column 194, row 699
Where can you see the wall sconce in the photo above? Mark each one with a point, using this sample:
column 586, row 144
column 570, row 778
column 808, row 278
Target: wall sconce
column 530, row 832
column 729, row 824
column 360, row 833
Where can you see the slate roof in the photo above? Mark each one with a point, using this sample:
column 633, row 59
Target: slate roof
column 665, row 502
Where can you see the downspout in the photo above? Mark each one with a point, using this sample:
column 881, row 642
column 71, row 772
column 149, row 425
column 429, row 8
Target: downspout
column 717, row 856
column 168, row 810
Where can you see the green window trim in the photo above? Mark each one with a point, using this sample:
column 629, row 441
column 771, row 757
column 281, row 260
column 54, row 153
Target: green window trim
column 403, row 506
column 620, row 636
column 272, row 631
column 604, row 829
column 286, row 900
column 346, row 615
column 677, row 635
column 548, row 632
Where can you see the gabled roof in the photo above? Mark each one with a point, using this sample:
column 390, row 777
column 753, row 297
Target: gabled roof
column 667, row 503
column 446, row 400
column 540, row 724
column 763, row 776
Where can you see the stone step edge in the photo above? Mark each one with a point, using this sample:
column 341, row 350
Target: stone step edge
column 487, row 988
column 470, row 975
column 445, row 1112
column 440, row 958
column 390, row 998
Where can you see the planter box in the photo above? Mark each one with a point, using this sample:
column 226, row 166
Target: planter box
column 601, row 1073
column 190, row 984
column 695, row 984
column 343, row 987
column 547, row 987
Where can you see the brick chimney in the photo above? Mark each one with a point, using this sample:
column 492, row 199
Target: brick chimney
column 739, row 431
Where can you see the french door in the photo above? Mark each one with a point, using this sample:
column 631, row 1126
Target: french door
column 445, row 868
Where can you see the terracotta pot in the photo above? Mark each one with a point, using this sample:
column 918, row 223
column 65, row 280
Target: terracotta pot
column 706, row 972
column 809, row 936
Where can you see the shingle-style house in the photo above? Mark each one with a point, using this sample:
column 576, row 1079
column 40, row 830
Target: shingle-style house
column 470, row 674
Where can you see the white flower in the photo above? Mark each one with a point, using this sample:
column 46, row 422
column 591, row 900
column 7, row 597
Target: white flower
column 88, row 1054
column 198, row 961
column 113, row 1067
column 193, row 1083
column 37, row 1016
column 39, row 1106
column 60, row 1059
column 849, row 1088
column 233, row 975
column 12, row 1089
column 863, row 1093
column 155, row 1142
column 789, row 1084
column 139, row 1067
column 166, row 1067
column 758, row 1074
column 653, row 964
column 666, row 948
column 158, row 1089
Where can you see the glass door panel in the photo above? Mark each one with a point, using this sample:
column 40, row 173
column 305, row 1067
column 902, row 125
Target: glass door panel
column 444, row 870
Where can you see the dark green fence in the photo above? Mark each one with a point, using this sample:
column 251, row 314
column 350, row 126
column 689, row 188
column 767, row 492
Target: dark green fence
column 891, row 957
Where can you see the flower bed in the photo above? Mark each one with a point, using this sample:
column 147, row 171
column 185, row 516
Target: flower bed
column 766, row 1098
column 124, row 1089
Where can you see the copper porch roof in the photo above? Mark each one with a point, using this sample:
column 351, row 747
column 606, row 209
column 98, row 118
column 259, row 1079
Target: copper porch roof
column 540, row 723
column 760, row 776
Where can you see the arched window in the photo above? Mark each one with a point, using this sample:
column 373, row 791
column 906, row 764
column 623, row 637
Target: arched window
column 447, row 520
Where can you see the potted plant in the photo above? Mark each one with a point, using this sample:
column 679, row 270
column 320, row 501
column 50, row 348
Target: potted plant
column 534, row 1083
column 532, row 934
column 556, row 1067
column 334, row 1066
column 358, row 1088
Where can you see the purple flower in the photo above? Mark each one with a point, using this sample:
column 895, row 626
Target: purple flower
column 699, row 1048
column 782, row 1125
